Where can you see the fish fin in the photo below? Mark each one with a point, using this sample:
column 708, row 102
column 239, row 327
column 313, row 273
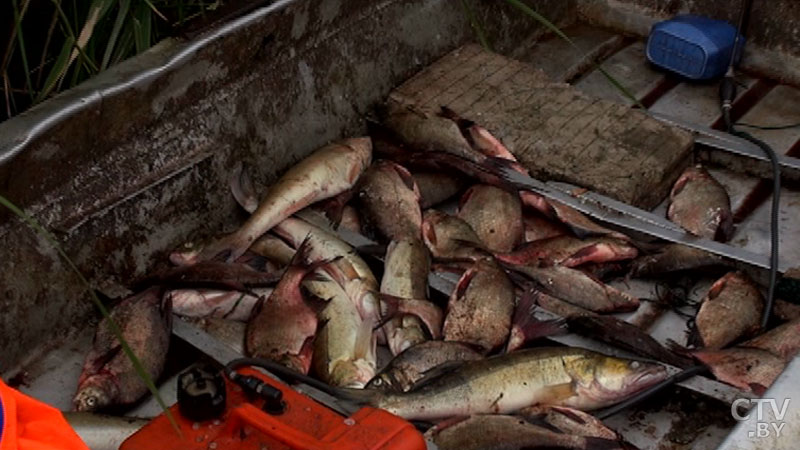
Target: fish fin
column 365, row 344
column 558, row 393
column 466, row 196
column 316, row 303
column 302, row 258
column 99, row 360
column 449, row 422
column 577, row 257
column 257, row 307
column 678, row 348
column 526, row 327
column 520, row 280
column 464, row 125
column 242, row 189
column 757, row 388
column 405, row 177
column 358, row 396
column 678, row 186
column 434, row 373
column 316, row 276
column 569, row 413
column 537, row 203
column 694, row 338
column 463, row 283
column 333, row 208
column 452, row 265
column 225, row 249
column 254, row 261
column 504, row 169
column 429, row 234
column 448, row 113
column 717, row 287
column 165, row 307
column 426, row 311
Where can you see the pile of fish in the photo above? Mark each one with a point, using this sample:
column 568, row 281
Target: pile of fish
column 426, row 188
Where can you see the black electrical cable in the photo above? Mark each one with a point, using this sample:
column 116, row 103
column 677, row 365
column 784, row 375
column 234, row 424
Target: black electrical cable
column 773, row 226
column 651, row 391
column 727, row 93
column 281, row 371
column 767, row 127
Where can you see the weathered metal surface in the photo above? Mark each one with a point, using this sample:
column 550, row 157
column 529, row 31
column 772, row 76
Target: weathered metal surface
column 737, row 185
column 781, row 106
column 640, row 79
column 697, row 102
column 591, row 45
column 554, row 129
column 773, row 47
column 133, row 162
column 746, row 435
column 753, row 233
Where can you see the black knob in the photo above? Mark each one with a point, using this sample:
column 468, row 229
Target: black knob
column 273, row 401
column 201, row 394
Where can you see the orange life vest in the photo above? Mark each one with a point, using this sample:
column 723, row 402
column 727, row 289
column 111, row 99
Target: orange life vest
column 28, row 424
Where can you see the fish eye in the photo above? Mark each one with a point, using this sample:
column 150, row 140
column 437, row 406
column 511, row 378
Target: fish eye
column 91, row 401
column 635, row 364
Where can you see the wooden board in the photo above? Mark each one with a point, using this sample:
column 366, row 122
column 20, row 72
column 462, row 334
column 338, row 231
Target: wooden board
column 554, row 129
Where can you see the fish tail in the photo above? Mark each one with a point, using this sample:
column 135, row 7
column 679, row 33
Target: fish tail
column 333, row 208
column 526, row 327
column 242, row 189
column 302, row 257
column 360, row 397
column 426, row 311
column 228, row 249
column 694, row 339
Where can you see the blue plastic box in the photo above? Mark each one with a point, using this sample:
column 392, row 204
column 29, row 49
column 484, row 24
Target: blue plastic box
column 696, row 47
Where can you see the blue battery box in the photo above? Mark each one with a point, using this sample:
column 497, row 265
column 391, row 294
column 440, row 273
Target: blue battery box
column 695, row 47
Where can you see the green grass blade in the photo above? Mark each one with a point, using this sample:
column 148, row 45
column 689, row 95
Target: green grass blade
column 96, row 13
column 58, row 69
column 23, row 53
column 155, row 10
column 125, row 46
column 620, row 87
column 476, row 25
column 140, row 371
column 142, row 28
column 542, row 20
column 46, row 48
column 124, row 7
column 557, row 31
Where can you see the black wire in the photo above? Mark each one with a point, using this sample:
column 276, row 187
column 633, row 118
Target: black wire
column 651, row 391
column 744, row 15
column 774, row 228
column 768, row 127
